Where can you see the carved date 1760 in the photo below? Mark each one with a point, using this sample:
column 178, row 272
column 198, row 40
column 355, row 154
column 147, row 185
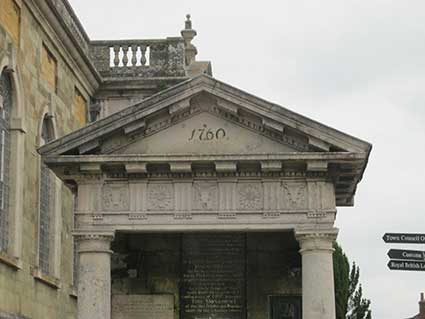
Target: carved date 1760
column 207, row 134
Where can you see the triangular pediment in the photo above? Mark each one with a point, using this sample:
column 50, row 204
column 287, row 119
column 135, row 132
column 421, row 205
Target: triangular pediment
column 205, row 133
column 164, row 123
column 203, row 120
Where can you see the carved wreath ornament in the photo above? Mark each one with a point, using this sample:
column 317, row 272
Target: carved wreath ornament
column 250, row 196
column 160, row 197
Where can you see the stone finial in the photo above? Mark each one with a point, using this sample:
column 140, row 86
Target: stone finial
column 188, row 23
column 188, row 34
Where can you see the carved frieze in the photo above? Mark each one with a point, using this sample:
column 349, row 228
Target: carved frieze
column 294, row 195
column 228, row 202
column 205, row 196
column 250, row 196
column 115, row 197
column 160, row 196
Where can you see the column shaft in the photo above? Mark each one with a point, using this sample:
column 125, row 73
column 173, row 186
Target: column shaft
column 317, row 273
column 94, row 276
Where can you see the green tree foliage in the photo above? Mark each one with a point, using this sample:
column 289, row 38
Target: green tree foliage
column 349, row 300
column 358, row 307
column 342, row 281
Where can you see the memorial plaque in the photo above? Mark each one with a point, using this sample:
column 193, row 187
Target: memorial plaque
column 213, row 279
column 142, row 306
column 283, row 307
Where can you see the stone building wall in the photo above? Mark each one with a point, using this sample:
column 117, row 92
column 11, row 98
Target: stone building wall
column 26, row 49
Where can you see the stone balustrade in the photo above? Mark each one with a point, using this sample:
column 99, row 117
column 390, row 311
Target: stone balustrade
column 125, row 55
column 111, row 60
column 144, row 58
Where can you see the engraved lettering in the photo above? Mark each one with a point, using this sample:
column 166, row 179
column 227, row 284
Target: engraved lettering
column 202, row 130
column 193, row 135
column 221, row 133
column 142, row 306
column 213, row 276
column 210, row 135
column 207, row 134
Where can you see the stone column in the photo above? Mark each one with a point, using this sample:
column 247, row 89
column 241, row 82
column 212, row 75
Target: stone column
column 94, row 276
column 317, row 273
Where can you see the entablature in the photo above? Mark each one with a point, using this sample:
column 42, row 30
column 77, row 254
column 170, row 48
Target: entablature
column 322, row 166
column 141, row 202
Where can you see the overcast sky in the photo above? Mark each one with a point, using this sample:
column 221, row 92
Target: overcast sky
column 356, row 65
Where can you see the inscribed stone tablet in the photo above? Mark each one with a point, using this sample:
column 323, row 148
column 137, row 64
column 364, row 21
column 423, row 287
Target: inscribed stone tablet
column 142, row 307
column 213, row 282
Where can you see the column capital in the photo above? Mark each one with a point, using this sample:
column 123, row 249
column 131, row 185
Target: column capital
column 316, row 239
column 94, row 242
column 102, row 236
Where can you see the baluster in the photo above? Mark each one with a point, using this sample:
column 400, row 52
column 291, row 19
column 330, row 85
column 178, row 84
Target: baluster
column 143, row 50
column 116, row 55
column 125, row 56
column 134, row 56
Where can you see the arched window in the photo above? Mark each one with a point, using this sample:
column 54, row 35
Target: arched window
column 6, row 101
column 46, row 235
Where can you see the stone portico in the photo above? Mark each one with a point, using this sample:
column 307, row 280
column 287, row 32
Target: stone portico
column 221, row 173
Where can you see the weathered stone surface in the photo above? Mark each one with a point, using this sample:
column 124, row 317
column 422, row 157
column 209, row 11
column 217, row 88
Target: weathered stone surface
column 283, row 307
column 209, row 126
column 157, row 264
column 205, row 134
column 49, row 68
column 213, row 280
column 273, row 269
column 10, row 16
column 94, row 275
column 142, row 306
column 162, row 58
column 317, row 272
column 21, row 295
column 80, row 108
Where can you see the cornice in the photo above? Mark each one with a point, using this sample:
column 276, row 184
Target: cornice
column 337, row 157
